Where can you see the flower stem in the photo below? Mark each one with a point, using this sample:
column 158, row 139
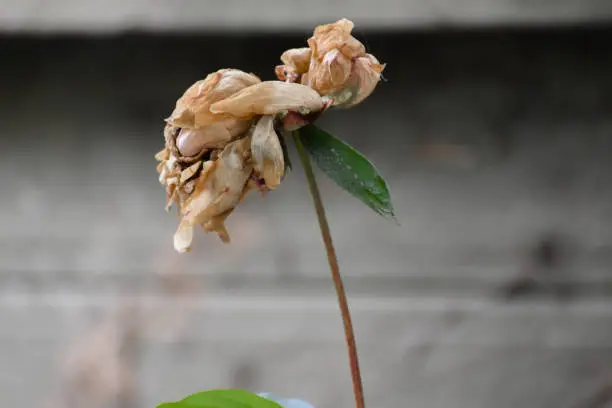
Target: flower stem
column 335, row 272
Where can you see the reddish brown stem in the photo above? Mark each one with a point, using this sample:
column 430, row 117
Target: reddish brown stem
column 335, row 272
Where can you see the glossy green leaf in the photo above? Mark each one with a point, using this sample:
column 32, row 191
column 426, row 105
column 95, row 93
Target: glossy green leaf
column 231, row 398
column 348, row 168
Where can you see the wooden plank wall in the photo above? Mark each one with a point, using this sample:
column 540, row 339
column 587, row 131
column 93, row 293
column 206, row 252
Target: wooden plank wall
column 496, row 147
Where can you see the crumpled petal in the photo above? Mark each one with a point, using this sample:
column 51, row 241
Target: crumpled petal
column 267, row 152
column 331, row 74
column 364, row 78
column 192, row 109
column 162, row 155
column 270, row 98
column 217, row 224
column 298, row 58
column 337, row 35
column 286, row 73
column 219, row 189
column 189, row 172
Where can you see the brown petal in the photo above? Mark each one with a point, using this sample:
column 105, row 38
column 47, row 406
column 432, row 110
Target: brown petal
column 220, row 187
column 269, row 98
column 365, row 77
column 192, row 109
column 331, row 74
column 172, row 196
column 286, row 73
column 189, row 172
column 335, row 36
column 232, row 81
column 267, row 152
column 183, row 237
column 162, row 155
column 217, row 224
column 167, row 169
column 299, row 58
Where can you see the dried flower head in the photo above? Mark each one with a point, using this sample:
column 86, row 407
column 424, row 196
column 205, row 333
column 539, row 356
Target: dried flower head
column 221, row 139
column 338, row 65
column 221, row 142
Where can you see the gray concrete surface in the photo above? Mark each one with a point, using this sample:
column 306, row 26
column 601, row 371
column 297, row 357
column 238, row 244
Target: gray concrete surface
column 527, row 116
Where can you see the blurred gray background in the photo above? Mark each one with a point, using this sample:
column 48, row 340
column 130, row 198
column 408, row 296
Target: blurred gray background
column 493, row 130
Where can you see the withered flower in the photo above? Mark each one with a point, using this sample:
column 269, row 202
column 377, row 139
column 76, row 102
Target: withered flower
column 338, row 67
column 221, row 138
column 198, row 127
column 221, row 142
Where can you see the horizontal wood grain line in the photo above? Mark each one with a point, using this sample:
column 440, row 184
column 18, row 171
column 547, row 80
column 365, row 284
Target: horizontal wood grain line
column 245, row 302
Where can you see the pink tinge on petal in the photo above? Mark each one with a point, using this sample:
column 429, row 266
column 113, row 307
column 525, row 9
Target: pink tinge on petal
column 190, row 142
column 197, row 206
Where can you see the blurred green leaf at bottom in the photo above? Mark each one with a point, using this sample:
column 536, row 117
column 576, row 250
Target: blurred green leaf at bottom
column 231, row 398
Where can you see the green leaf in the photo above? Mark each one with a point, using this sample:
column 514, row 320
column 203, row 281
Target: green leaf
column 231, row 398
column 350, row 169
column 286, row 158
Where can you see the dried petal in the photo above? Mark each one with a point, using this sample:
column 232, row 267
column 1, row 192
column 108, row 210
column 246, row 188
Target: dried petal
column 193, row 108
column 190, row 142
column 338, row 36
column 331, row 74
column 286, row 73
column 183, row 237
column 172, row 180
column 189, row 172
column 172, row 196
column 167, row 169
column 364, row 78
column 219, row 189
column 298, row 58
column 188, row 187
column 267, row 152
column 217, row 224
column 269, row 98
column 162, row 155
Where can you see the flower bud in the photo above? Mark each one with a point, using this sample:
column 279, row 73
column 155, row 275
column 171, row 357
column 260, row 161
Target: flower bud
column 339, row 66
